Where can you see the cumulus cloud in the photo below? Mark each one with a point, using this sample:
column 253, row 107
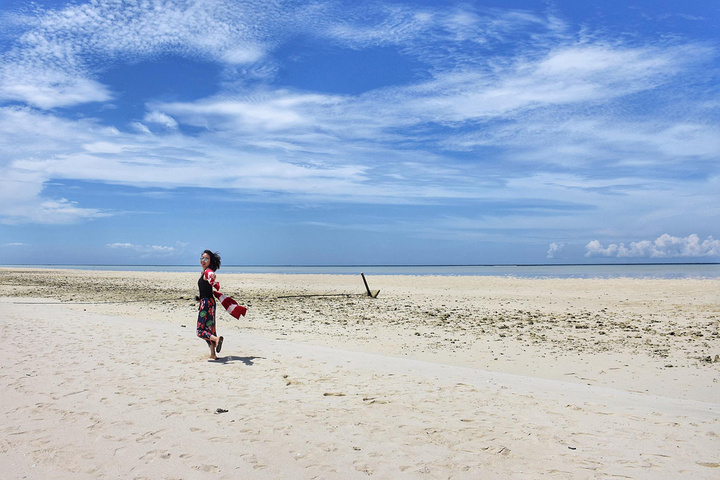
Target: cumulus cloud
column 555, row 249
column 665, row 246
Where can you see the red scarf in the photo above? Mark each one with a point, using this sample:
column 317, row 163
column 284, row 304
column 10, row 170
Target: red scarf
column 232, row 307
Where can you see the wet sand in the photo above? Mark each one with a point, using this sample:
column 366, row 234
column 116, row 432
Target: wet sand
column 438, row 377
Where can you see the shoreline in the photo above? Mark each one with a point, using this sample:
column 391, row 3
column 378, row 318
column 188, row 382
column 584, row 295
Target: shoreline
column 529, row 271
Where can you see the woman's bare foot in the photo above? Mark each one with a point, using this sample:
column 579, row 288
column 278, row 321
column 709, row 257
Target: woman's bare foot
column 212, row 343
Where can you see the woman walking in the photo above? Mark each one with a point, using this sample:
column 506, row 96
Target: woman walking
column 210, row 263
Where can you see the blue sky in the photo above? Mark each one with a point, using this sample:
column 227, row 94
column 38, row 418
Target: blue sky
column 344, row 132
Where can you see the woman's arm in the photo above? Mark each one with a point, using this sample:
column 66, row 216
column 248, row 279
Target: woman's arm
column 211, row 278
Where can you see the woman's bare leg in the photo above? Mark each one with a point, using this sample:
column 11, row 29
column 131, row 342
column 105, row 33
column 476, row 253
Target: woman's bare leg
column 213, row 341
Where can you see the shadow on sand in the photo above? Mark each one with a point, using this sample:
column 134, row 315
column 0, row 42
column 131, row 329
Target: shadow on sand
column 249, row 361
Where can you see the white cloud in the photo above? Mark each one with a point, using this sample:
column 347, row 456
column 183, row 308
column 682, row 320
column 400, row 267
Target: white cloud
column 529, row 103
column 50, row 65
column 22, row 201
column 434, row 34
column 141, row 128
column 248, row 54
column 665, row 246
column 265, row 112
column 150, row 251
column 47, row 88
column 555, row 249
column 104, row 147
column 506, row 92
column 49, row 211
column 388, row 24
column 120, row 245
column 161, row 118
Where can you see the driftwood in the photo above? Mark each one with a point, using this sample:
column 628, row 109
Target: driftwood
column 373, row 293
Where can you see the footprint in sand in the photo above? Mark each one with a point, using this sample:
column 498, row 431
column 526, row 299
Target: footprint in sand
column 252, row 460
column 153, row 454
column 148, row 437
column 207, row 468
column 363, row 467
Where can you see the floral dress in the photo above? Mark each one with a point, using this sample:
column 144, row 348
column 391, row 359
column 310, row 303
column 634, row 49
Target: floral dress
column 206, row 316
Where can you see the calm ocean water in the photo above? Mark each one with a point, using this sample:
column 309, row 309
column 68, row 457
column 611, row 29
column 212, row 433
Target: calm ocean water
column 658, row 271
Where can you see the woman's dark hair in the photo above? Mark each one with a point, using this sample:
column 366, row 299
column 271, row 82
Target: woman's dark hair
column 214, row 260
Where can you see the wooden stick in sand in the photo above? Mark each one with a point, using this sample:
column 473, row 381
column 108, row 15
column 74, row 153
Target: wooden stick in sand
column 372, row 294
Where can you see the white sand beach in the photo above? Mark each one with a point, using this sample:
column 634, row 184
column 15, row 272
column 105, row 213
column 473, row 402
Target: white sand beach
column 437, row 378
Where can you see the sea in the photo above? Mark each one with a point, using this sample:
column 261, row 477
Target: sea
column 645, row 271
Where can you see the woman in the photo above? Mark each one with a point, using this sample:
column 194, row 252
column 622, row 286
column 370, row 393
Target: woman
column 210, row 263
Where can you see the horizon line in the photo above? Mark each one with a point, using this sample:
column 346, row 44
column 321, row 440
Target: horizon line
column 361, row 265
